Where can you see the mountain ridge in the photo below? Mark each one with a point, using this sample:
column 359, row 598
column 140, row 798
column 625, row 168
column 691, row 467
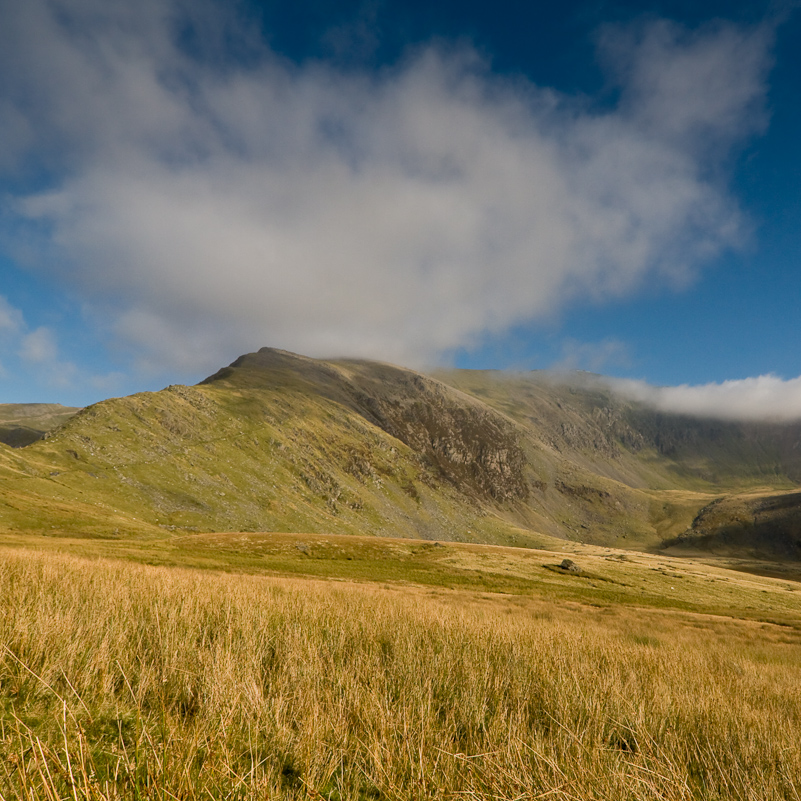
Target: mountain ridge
column 281, row 442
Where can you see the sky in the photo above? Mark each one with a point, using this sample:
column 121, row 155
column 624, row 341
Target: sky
column 589, row 185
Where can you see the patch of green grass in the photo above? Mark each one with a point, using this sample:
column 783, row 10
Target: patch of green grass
column 602, row 577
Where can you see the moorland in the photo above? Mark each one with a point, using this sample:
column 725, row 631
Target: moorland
column 343, row 579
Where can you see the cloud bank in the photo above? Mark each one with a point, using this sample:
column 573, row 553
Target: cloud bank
column 208, row 205
column 766, row 397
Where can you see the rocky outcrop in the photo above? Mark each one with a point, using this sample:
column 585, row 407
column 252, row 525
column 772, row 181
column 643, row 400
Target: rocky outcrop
column 473, row 448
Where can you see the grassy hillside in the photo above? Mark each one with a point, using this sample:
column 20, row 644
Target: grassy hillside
column 257, row 449
column 279, row 442
column 749, row 524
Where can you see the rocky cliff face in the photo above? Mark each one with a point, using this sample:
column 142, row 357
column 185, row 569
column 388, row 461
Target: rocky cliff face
column 461, row 441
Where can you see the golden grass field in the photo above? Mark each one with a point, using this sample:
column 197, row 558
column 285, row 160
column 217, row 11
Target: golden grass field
column 311, row 667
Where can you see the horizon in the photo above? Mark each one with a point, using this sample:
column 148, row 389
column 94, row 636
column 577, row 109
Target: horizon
column 605, row 188
column 764, row 399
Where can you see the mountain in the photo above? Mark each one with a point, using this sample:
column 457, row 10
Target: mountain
column 281, row 442
column 24, row 423
column 581, row 416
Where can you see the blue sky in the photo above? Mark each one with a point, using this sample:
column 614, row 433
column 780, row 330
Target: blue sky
column 608, row 186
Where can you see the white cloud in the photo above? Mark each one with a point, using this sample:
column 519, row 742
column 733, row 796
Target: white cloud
column 395, row 215
column 11, row 320
column 39, row 346
column 766, row 397
column 675, row 87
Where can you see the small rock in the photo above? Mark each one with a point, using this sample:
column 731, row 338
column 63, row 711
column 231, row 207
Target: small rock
column 570, row 566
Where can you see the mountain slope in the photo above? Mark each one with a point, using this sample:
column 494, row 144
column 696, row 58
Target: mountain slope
column 286, row 445
column 486, row 456
column 580, row 416
column 280, row 442
column 748, row 525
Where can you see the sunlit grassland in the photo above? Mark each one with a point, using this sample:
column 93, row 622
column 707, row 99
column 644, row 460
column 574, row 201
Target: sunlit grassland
column 607, row 576
column 479, row 673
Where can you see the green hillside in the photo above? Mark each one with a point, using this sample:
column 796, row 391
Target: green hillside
column 756, row 525
column 279, row 442
column 258, row 447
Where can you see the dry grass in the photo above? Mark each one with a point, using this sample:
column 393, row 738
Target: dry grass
column 126, row 681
